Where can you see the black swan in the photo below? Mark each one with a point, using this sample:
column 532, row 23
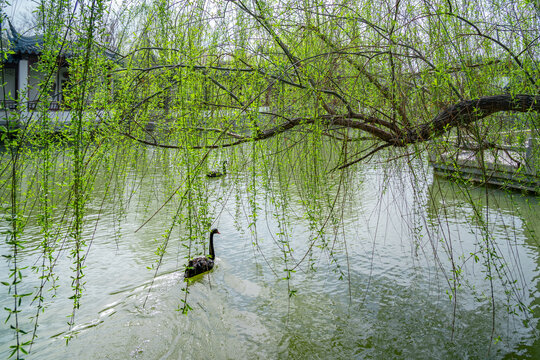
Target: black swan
column 204, row 263
column 217, row 173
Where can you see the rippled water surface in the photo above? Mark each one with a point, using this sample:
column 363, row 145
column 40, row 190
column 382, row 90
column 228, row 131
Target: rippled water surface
column 379, row 288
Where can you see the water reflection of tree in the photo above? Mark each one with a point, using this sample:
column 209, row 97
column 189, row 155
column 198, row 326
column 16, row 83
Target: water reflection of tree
column 499, row 223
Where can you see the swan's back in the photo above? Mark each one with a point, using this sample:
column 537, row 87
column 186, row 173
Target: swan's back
column 198, row 266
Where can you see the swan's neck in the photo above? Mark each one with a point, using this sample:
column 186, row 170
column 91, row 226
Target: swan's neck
column 212, row 255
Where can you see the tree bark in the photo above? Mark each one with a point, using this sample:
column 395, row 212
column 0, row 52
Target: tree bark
column 466, row 112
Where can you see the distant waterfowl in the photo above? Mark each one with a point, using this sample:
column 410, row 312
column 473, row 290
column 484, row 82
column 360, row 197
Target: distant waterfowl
column 217, row 173
column 204, row 263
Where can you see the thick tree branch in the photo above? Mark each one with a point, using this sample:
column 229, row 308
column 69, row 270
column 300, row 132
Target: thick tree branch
column 460, row 114
column 466, row 112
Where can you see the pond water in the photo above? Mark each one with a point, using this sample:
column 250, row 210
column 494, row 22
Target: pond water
column 377, row 284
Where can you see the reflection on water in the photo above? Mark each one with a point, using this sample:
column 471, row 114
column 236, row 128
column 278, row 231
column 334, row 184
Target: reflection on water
column 375, row 285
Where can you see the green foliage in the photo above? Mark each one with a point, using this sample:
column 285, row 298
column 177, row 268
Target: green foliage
column 287, row 92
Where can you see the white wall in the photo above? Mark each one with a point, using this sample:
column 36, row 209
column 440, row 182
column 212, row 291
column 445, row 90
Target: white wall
column 8, row 85
column 57, row 80
column 34, row 79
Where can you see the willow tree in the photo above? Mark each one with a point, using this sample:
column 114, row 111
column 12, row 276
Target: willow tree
column 398, row 73
column 377, row 78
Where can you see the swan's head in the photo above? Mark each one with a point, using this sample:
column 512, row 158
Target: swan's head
column 214, row 231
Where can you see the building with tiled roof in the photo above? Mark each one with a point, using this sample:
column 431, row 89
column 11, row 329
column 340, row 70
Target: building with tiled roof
column 20, row 77
column 22, row 81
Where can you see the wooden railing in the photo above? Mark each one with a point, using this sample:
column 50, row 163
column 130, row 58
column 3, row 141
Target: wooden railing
column 32, row 105
column 53, row 105
column 8, row 104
